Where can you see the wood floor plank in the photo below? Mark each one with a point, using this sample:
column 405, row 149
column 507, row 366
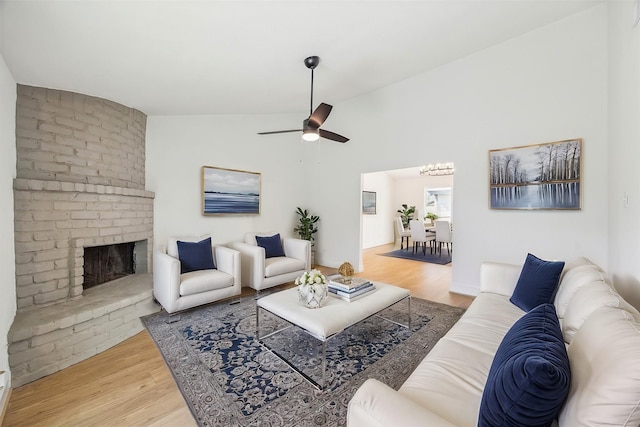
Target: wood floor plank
column 130, row 385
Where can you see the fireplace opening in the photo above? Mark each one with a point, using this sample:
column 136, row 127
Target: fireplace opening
column 106, row 263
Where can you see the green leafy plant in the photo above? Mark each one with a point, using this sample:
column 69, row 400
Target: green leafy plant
column 431, row 216
column 406, row 213
column 306, row 225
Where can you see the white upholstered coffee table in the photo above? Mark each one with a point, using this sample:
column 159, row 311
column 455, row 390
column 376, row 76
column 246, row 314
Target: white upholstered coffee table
column 333, row 317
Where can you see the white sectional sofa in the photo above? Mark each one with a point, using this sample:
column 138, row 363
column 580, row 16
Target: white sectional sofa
column 601, row 332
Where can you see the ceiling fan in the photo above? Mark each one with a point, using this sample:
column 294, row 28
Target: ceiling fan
column 311, row 126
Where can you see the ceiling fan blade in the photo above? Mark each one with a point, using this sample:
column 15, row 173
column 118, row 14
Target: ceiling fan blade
column 320, row 115
column 279, row 131
column 332, row 136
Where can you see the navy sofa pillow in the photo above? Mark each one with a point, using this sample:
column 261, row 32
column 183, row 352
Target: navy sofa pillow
column 537, row 282
column 195, row 256
column 272, row 245
column 530, row 376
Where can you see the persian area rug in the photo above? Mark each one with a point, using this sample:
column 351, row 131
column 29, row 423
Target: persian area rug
column 229, row 379
column 434, row 258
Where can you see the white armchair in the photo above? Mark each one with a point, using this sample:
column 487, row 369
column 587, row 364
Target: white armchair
column 177, row 291
column 261, row 272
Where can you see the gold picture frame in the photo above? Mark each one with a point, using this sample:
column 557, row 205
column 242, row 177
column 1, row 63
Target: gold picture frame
column 230, row 191
column 539, row 176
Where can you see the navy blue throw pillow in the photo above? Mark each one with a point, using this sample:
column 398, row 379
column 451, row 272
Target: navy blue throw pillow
column 530, row 376
column 195, row 256
column 537, row 282
column 272, row 245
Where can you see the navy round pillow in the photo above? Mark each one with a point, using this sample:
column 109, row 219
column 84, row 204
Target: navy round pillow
column 530, row 376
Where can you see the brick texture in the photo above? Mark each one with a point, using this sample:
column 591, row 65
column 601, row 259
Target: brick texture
column 80, row 182
column 69, row 137
column 53, row 227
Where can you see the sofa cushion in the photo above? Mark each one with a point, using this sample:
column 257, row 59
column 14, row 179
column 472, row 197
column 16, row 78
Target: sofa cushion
column 530, row 376
column 605, row 386
column 281, row 265
column 571, row 264
column 196, row 282
column 586, row 300
column 572, row 281
column 195, row 256
column 272, row 245
column 537, row 283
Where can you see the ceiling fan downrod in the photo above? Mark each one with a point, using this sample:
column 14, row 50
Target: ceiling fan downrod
column 311, row 63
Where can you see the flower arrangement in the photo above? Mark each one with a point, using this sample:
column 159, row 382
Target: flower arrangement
column 312, row 288
column 312, row 277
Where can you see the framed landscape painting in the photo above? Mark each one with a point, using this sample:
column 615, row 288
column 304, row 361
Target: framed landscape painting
column 369, row 202
column 230, row 191
column 541, row 176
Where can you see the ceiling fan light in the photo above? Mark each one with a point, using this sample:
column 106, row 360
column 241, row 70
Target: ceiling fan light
column 310, row 135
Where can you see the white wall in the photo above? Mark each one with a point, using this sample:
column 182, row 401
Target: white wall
column 547, row 85
column 624, row 150
column 178, row 146
column 7, row 174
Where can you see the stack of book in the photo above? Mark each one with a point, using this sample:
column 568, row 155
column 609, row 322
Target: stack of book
column 349, row 291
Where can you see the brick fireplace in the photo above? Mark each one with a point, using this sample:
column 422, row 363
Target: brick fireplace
column 80, row 184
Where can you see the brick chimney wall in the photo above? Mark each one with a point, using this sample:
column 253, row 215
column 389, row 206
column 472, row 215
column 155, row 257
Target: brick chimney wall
column 80, row 182
column 70, row 137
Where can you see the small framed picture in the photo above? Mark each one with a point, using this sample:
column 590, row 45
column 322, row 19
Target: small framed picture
column 369, row 202
column 230, row 191
column 540, row 176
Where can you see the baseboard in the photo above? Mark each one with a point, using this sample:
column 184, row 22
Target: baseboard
column 458, row 288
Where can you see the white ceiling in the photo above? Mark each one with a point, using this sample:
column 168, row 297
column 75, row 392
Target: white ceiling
column 246, row 57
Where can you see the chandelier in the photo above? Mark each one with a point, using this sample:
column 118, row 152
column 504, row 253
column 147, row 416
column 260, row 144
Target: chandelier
column 437, row 169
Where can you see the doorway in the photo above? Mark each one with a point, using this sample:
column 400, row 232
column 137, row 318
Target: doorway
column 394, row 188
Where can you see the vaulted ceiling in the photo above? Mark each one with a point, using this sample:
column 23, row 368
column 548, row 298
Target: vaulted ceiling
column 246, row 57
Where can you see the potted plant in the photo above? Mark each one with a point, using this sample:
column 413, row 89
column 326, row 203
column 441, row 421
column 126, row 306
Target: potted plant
column 307, row 228
column 306, row 225
column 432, row 217
column 406, row 213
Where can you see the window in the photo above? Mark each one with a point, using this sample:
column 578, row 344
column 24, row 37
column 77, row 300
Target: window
column 438, row 201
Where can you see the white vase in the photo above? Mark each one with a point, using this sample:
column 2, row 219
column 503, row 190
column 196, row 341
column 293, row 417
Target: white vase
column 312, row 296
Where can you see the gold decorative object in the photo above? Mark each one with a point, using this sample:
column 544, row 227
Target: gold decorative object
column 346, row 271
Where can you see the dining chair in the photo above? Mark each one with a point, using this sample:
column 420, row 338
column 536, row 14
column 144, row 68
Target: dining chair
column 404, row 234
column 444, row 235
column 420, row 237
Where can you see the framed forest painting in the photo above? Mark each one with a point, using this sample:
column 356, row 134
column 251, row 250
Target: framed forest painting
column 230, row 191
column 540, row 176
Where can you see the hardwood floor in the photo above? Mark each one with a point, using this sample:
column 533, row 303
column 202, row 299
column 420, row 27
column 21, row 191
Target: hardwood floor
column 130, row 385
